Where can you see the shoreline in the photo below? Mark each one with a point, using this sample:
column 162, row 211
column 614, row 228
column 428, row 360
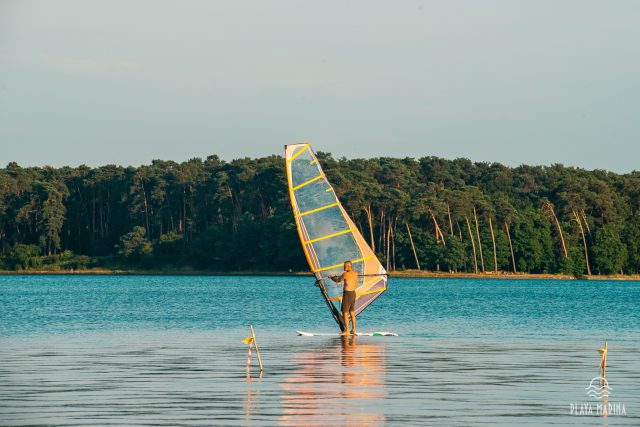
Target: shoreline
column 409, row 274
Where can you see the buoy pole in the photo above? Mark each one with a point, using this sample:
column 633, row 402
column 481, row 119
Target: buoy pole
column 249, row 359
column 253, row 335
column 604, row 362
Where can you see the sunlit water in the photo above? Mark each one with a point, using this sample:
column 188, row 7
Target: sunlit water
column 168, row 351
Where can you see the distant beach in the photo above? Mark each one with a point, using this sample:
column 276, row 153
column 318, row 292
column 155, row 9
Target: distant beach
column 414, row 274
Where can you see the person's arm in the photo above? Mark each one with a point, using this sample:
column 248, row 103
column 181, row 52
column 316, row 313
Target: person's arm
column 337, row 279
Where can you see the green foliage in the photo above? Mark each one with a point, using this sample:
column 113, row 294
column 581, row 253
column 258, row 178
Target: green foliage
column 81, row 262
column 455, row 255
column 533, row 244
column 503, row 254
column 575, row 264
column 25, row 257
column 169, row 248
column 217, row 215
column 134, row 245
column 53, row 212
column 631, row 235
column 609, row 253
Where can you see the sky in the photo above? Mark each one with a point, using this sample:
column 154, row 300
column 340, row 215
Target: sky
column 515, row 82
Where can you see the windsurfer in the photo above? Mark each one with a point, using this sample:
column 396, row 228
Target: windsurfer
column 350, row 278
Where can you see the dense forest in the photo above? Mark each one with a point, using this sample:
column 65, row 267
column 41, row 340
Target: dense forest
column 431, row 213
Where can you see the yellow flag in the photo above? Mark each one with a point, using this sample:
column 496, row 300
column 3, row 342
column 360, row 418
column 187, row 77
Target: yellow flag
column 248, row 340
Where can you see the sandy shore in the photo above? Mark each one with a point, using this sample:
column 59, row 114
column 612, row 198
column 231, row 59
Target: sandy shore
column 398, row 273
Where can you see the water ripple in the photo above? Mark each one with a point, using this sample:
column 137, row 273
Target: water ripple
column 114, row 367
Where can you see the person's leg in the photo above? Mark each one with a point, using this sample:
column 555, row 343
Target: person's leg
column 353, row 321
column 345, row 318
column 344, row 308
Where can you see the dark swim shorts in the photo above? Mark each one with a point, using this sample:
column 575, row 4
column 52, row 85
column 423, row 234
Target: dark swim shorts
column 348, row 301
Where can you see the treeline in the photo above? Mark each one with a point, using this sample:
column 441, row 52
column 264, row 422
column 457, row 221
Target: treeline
column 431, row 213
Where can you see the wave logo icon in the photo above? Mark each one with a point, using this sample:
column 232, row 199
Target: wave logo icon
column 599, row 388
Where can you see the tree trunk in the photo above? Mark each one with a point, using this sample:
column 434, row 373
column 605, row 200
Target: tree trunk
column 584, row 241
column 93, row 216
column 184, row 218
column 388, row 236
column 552, row 212
column 473, row 245
column 393, row 244
column 439, row 234
column 370, row 219
column 146, row 207
column 493, row 239
column 513, row 258
column 585, row 222
column 101, row 219
column 479, row 241
column 381, row 235
column 235, row 218
column 108, row 213
column 450, row 222
column 413, row 247
column 87, row 217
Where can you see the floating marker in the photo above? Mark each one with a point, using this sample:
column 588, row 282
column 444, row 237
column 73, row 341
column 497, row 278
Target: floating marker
column 253, row 337
column 603, row 361
column 251, row 341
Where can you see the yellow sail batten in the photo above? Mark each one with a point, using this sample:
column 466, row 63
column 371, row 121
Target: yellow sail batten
column 314, row 161
column 328, row 236
column 321, row 208
column 312, row 180
column 359, row 294
column 297, row 153
column 353, row 261
column 370, row 281
column 328, row 189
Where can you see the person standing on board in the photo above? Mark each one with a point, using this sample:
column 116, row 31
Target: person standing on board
column 350, row 278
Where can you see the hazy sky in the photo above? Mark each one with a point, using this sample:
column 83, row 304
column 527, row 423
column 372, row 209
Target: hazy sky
column 125, row 82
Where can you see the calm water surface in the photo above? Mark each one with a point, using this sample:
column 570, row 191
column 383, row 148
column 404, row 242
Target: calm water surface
column 155, row 350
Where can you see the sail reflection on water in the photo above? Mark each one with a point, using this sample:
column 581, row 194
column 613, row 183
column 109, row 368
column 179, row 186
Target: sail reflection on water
column 340, row 382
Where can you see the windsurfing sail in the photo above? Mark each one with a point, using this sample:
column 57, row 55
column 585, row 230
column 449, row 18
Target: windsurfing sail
column 328, row 236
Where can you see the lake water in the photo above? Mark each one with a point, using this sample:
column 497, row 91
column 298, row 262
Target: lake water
column 166, row 350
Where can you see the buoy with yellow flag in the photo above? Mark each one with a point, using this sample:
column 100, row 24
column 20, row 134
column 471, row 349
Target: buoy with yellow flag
column 251, row 341
column 603, row 362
